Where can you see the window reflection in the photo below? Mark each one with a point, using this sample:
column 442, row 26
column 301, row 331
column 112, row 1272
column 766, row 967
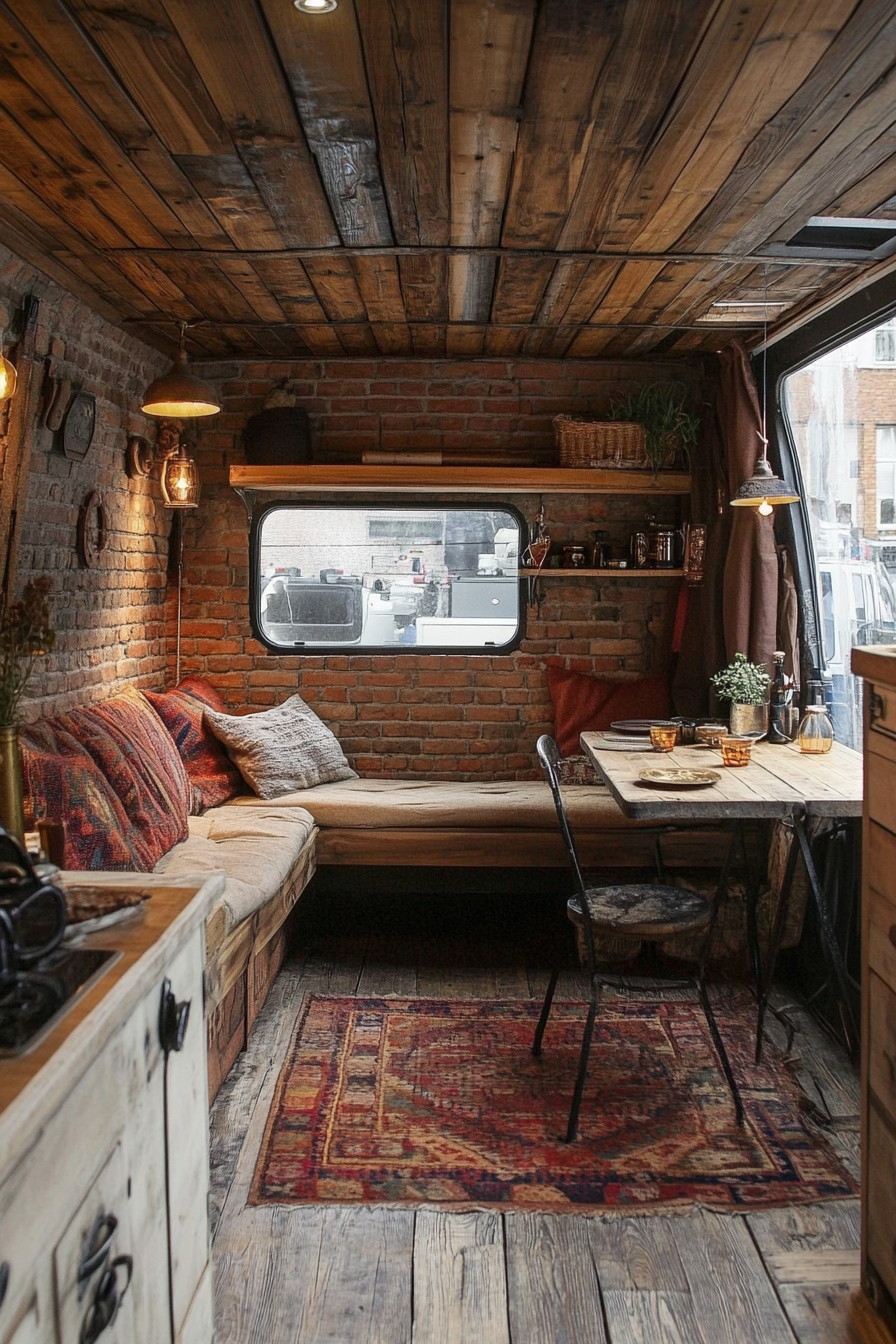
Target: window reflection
column 840, row 412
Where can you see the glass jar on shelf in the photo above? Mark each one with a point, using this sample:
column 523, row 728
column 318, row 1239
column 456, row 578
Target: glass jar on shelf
column 816, row 733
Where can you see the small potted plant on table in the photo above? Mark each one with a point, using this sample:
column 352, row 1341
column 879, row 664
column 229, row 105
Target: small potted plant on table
column 746, row 685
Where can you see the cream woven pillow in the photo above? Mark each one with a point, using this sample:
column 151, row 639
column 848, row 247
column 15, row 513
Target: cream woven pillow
column 281, row 750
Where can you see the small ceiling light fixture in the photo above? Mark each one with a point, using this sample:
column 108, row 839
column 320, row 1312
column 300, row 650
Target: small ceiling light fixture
column 179, row 394
column 764, row 489
column 315, row 6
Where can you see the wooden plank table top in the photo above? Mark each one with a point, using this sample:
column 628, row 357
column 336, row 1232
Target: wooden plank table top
column 778, row 780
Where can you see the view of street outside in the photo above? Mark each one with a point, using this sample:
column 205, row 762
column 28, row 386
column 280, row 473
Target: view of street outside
column 842, row 412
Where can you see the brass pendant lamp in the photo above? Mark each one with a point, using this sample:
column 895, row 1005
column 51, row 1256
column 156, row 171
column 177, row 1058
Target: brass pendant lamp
column 179, row 394
column 764, row 489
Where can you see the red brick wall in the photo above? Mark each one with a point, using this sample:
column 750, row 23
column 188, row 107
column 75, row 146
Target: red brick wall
column 110, row 620
column 443, row 716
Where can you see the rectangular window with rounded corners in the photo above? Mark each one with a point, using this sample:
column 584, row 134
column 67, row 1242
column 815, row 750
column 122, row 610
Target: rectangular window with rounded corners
column 341, row 578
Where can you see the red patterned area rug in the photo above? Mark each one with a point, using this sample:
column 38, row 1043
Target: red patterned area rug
column 407, row 1101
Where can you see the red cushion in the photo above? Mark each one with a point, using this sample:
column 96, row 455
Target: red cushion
column 63, row 782
column 211, row 771
column 583, row 703
column 136, row 755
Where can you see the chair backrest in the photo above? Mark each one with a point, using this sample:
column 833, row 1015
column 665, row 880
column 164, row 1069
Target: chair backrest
column 549, row 756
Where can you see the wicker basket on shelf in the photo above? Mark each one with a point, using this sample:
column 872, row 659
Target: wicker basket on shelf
column 600, row 443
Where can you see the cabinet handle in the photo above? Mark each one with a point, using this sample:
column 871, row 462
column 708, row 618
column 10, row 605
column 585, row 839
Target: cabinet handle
column 97, row 1250
column 892, row 934
column 876, row 707
column 173, row 1019
column 106, row 1300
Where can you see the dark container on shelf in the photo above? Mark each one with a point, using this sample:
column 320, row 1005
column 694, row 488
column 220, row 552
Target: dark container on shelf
column 279, row 437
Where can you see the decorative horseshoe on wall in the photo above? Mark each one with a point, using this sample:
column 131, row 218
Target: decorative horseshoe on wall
column 93, row 530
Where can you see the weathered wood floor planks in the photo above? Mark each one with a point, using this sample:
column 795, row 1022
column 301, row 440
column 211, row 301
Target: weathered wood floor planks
column 361, row 1275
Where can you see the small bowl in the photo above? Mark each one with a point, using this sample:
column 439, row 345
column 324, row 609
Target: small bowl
column 711, row 733
column 663, row 736
column 736, row 750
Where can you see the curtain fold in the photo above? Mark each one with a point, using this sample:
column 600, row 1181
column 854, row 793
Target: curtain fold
column 750, row 586
column 703, row 644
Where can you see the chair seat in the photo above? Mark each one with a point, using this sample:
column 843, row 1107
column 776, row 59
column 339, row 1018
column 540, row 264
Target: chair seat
column 642, row 910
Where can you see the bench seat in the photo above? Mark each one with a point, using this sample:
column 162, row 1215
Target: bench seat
column 268, row 856
column 470, row 824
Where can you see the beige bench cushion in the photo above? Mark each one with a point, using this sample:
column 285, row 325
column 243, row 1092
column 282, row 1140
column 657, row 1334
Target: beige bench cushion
column 408, row 804
column 255, row 848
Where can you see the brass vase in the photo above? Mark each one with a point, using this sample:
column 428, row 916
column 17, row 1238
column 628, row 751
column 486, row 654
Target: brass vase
column 12, row 817
column 749, row 720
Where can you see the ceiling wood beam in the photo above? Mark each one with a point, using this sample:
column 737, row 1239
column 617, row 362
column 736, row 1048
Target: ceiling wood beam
column 448, row 250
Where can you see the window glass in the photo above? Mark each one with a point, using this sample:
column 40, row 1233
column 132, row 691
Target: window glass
column 885, row 344
column 399, row 578
column 885, row 464
column 847, row 455
column 827, row 610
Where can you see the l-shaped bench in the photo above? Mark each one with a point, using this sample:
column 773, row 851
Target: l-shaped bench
column 115, row 771
column 270, row 850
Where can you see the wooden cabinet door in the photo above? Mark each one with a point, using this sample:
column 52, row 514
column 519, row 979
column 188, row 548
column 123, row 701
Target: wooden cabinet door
column 188, row 1173
column 91, row 1231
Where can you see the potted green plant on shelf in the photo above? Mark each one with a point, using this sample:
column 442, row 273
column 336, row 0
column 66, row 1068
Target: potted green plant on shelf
column 672, row 430
column 25, row 636
column 746, row 686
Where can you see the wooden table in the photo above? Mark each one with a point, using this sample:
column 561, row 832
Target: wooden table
column 780, row 783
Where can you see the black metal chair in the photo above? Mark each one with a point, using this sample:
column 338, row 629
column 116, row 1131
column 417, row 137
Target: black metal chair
column 638, row 911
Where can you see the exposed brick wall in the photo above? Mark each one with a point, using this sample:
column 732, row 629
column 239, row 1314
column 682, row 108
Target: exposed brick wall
column 110, row 620
column 444, row 716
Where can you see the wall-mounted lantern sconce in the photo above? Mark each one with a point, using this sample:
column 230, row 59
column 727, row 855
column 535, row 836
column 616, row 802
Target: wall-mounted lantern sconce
column 8, row 378
column 179, row 475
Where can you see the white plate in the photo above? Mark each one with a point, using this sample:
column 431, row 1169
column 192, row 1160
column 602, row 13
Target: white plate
column 679, row 777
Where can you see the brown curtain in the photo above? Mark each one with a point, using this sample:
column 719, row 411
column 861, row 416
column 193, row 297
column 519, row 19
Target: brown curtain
column 788, row 616
column 703, row 644
column 750, row 590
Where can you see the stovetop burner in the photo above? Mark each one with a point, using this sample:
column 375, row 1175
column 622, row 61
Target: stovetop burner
column 32, row 1000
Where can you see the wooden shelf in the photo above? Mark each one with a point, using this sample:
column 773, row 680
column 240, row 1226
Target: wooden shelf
column 461, row 480
column 630, row 573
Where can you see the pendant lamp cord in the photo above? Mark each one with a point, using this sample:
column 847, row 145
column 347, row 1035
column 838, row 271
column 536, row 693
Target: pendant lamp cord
column 179, row 523
column 764, row 435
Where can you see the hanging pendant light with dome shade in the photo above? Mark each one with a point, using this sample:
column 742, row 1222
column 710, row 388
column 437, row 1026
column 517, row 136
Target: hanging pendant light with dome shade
column 180, row 394
column 764, row 489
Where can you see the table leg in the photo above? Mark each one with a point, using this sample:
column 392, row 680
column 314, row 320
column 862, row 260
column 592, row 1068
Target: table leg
column 765, row 983
column 832, row 954
column 752, row 885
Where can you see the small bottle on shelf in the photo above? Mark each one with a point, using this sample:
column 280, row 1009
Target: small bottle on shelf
column 816, row 734
column 777, row 710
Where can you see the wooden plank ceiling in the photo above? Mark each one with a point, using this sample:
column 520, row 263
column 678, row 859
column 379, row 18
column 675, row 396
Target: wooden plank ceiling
column 541, row 177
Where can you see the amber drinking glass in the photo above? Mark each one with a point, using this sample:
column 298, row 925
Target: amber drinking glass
column 736, row 750
column 663, row 736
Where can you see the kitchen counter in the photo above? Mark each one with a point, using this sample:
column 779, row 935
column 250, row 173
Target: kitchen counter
column 84, row 1124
